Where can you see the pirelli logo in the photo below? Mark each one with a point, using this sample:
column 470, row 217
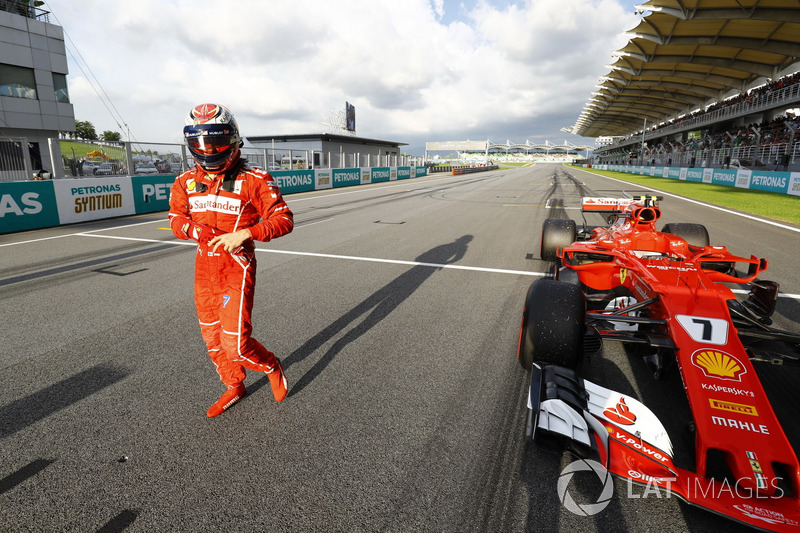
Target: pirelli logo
column 731, row 407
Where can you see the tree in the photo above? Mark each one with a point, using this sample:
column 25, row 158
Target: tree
column 111, row 136
column 85, row 130
column 26, row 8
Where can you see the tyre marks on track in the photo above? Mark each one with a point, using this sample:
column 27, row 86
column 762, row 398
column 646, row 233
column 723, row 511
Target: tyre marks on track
column 565, row 190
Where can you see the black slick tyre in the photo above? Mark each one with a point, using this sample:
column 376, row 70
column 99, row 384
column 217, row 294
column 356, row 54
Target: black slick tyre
column 553, row 325
column 694, row 234
column 556, row 233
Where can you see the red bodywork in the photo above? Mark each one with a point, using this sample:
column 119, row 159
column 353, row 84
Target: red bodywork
column 686, row 286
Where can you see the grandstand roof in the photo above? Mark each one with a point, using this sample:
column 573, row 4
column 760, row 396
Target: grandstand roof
column 687, row 54
column 547, row 146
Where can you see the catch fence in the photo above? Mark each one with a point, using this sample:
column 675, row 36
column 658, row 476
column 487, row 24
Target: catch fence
column 20, row 160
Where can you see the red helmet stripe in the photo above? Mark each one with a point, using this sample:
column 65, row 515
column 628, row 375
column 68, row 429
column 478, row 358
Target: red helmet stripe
column 204, row 112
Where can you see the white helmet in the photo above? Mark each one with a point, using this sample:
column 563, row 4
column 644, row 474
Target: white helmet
column 212, row 136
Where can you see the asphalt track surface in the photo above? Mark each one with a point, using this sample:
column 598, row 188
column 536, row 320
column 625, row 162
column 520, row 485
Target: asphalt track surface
column 395, row 308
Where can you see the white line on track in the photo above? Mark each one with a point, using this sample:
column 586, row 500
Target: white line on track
column 82, row 233
column 289, row 200
column 37, row 240
column 410, row 263
column 122, row 227
column 298, row 226
column 92, row 233
column 334, row 256
column 374, row 260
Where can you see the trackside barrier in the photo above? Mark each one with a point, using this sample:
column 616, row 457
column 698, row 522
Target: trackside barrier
column 469, row 170
column 760, row 180
column 26, row 205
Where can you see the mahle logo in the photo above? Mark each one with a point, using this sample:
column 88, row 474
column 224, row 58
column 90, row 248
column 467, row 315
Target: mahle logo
column 584, row 509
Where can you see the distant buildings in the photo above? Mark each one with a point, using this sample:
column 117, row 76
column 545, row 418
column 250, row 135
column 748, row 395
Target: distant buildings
column 329, row 150
column 34, row 99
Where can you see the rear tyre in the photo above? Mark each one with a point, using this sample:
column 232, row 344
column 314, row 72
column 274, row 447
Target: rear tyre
column 553, row 325
column 556, row 233
column 694, row 234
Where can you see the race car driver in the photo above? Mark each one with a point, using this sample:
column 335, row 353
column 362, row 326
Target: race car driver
column 226, row 205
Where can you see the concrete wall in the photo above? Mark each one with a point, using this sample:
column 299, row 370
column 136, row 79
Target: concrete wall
column 36, row 45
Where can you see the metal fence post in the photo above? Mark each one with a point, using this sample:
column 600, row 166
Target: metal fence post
column 56, row 161
column 129, row 158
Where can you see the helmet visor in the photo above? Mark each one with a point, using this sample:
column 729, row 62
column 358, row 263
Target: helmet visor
column 209, row 139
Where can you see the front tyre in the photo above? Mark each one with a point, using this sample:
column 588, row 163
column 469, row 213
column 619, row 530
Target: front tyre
column 556, row 233
column 553, row 325
column 694, row 234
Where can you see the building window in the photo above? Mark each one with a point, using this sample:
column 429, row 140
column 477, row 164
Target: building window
column 17, row 82
column 11, row 155
column 60, row 85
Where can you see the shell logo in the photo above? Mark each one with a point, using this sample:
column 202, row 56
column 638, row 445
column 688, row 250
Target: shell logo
column 716, row 364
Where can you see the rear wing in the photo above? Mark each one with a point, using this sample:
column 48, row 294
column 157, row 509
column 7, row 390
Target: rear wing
column 598, row 204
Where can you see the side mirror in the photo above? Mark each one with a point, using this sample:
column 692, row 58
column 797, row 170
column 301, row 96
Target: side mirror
column 762, row 297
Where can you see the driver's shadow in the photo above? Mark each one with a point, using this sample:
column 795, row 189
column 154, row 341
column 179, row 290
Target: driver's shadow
column 376, row 307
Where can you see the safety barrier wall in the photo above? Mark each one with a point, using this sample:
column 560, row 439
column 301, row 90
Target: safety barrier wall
column 761, row 180
column 457, row 171
column 26, row 205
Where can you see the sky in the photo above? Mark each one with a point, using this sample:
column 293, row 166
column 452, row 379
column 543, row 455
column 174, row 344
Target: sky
column 416, row 71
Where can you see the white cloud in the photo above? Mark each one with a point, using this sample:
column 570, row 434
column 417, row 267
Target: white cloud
column 497, row 70
column 438, row 8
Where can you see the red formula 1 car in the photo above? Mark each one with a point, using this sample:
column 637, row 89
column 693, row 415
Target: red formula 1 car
column 665, row 295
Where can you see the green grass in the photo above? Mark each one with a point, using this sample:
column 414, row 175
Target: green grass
column 777, row 206
column 514, row 163
column 81, row 148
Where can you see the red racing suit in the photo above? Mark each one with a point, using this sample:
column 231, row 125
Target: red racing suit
column 202, row 207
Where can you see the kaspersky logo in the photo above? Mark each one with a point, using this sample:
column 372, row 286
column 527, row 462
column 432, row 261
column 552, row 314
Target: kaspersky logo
column 719, row 365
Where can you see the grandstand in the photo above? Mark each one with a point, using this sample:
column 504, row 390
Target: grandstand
column 475, row 153
column 702, row 83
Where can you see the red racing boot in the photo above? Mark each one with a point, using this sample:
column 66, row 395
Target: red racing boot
column 228, row 398
column 277, row 379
